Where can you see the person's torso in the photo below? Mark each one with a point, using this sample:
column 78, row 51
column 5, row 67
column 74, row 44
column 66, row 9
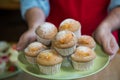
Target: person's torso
column 88, row 12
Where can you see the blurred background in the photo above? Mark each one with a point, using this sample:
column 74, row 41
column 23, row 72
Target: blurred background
column 12, row 26
column 11, row 22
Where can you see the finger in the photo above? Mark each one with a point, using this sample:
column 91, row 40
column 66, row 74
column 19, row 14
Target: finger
column 96, row 38
column 106, row 46
column 112, row 56
column 114, row 45
column 111, row 46
column 32, row 38
column 22, row 43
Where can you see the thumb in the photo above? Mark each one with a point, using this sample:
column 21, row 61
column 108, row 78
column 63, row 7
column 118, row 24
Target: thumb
column 22, row 43
column 110, row 46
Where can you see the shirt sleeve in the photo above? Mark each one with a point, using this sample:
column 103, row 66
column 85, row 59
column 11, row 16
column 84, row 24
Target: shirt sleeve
column 113, row 4
column 28, row 4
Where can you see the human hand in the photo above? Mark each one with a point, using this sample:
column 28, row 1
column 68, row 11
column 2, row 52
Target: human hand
column 105, row 38
column 28, row 37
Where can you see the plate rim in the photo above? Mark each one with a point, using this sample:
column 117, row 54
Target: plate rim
column 10, row 74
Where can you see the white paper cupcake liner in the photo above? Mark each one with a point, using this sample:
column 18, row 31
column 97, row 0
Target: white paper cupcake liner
column 82, row 65
column 66, row 62
column 44, row 41
column 31, row 60
column 65, row 52
column 50, row 69
column 2, row 67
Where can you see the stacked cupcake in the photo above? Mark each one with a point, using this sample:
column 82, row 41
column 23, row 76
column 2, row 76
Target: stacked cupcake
column 71, row 25
column 53, row 46
column 46, row 32
column 49, row 61
column 86, row 40
column 65, row 42
column 33, row 50
column 83, row 58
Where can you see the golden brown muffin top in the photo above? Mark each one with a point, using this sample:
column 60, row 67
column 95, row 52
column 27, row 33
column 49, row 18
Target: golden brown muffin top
column 69, row 24
column 46, row 30
column 83, row 54
column 64, row 39
column 34, row 48
column 86, row 40
column 49, row 58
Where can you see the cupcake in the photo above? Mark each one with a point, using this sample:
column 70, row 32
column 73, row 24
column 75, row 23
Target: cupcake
column 72, row 25
column 86, row 40
column 32, row 51
column 65, row 42
column 13, row 57
column 49, row 61
column 3, row 46
column 46, row 32
column 2, row 66
column 83, row 58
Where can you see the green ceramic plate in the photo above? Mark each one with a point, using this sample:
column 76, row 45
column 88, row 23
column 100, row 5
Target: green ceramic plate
column 67, row 72
column 7, row 74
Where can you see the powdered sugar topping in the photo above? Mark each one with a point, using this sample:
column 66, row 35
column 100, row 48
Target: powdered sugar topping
column 62, row 34
column 47, row 27
column 83, row 48
column 69, row 20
